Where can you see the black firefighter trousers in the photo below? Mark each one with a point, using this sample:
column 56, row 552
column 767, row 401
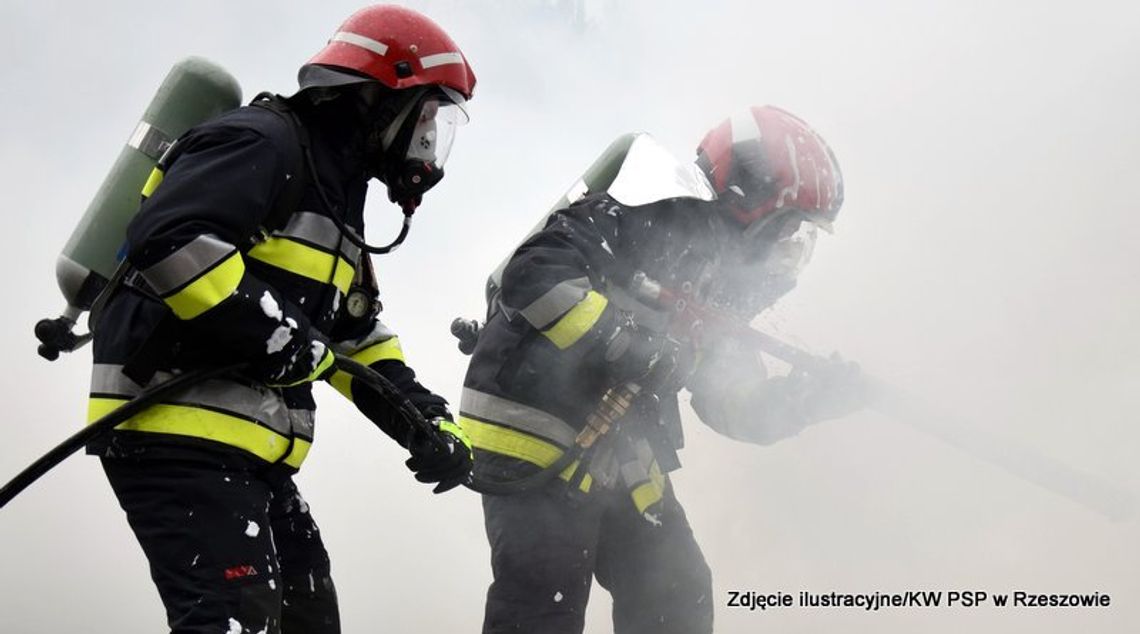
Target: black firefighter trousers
column 230, row 551
column 546, row 548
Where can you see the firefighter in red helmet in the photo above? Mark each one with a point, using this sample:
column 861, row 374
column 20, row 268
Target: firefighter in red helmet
column 249, row 248
column 570, row 398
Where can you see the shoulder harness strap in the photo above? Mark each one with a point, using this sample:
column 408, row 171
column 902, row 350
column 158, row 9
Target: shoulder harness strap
column 289, row 200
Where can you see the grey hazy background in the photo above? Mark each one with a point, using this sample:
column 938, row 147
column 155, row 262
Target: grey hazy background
column 986, row 259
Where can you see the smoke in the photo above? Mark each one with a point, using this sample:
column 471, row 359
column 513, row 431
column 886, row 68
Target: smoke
column 984, row 260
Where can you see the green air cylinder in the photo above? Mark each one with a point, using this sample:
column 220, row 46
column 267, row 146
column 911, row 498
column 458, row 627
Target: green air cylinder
column 597, row 178
column 195, row 90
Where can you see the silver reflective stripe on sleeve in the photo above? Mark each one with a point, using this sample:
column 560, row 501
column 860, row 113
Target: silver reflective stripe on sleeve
column 259, row 404
column 555, row 302
column 184, row 265
column 527, row 419
column 302, row 421
column 320, row 231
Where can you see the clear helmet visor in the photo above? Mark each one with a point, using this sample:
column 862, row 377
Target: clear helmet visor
column 764, row 266
column 792, row 249
column 434, row 132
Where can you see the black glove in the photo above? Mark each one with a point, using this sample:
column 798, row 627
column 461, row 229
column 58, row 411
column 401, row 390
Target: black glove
column 443, row 456
column 831, row 390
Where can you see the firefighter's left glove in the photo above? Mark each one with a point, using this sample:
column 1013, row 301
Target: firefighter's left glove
column 831, row 390
column 313, row 362
column 443, row 455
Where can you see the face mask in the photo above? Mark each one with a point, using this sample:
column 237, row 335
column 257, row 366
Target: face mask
column 413, row 148
column 762, row 267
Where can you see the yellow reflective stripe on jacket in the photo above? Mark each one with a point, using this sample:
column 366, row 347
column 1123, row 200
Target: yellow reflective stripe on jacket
column 187, row 420
column 545, row 310
column 209, row 290
column 509, row 442
column 389, row 349
column 385, row 350
column 299, row 452
column 587, row 480
column 649, row 493
column 577, row 321
column 306, row 261
column 152, row 182
column 518, row 445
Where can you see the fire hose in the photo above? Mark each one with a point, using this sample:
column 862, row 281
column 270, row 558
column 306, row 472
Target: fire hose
column 156, row 393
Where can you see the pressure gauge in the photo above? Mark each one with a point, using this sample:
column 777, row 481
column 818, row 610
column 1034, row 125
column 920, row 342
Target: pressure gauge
column 359, row 304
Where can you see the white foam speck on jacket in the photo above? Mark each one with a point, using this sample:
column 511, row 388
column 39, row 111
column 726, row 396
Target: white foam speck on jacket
column 651, row 518
column 318, row 350
column 235, row 627
column 252, row 529
column 272, row 584
column 277, row 341
column 270, row 308
column 558, row 597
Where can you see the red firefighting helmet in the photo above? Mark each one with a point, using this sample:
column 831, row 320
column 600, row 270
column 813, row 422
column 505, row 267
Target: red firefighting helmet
column 406, row 52
column 766, row 162
column 394, row 45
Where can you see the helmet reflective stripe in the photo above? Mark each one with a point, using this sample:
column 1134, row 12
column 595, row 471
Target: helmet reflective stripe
column 793, row 187
column 379, row 48
column 744, row 127
column 439, row 59
column 771, row 162
column 398, row 47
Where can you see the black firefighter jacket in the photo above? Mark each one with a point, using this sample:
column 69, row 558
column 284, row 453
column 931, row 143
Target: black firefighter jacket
column 212, row 284
column 546, row 356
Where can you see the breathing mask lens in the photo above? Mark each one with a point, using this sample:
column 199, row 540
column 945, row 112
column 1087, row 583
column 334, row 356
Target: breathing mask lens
column 421, row 136
column 434, row 131
column 792, row 249
column 764, row 268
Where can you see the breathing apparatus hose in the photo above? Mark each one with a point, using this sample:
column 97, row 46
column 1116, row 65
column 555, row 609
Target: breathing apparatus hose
column 310, row 164
column 80, row 438
column 528, row 483
column 153, row 394
column 392, row 394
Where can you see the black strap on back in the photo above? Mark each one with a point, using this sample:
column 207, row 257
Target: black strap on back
column 289, row 200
